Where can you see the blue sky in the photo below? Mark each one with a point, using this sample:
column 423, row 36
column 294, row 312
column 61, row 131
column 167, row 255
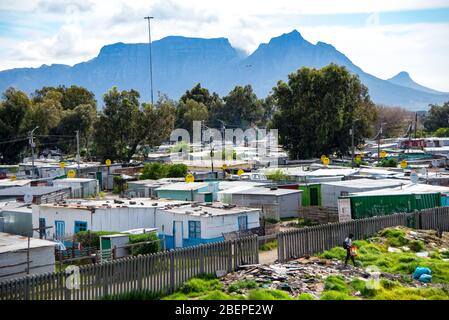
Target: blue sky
column 383, row 37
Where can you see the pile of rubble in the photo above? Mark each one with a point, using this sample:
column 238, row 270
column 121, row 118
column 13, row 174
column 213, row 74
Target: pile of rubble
column 305, row 275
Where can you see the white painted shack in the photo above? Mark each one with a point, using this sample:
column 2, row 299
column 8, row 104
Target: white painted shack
column 331, row 191
column 107, row 215
column 13, row 256
column 275, row 203
column 79, row 187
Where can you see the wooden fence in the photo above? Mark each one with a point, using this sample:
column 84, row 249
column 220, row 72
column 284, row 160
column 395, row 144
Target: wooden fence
column 161, row 272
column 310, row 240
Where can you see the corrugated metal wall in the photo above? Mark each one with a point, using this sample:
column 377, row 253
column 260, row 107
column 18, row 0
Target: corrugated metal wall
column 370, row 206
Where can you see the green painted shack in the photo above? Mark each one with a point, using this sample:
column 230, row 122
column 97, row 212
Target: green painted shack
column 372, row 204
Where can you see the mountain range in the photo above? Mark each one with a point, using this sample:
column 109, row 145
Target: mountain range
column 179, row 63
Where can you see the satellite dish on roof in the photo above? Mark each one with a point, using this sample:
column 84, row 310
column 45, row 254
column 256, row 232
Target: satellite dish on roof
column 28, row 198
column 414, row 177
column 423, row 171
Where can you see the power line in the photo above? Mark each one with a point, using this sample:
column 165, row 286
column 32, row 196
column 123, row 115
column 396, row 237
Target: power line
column 13, row 140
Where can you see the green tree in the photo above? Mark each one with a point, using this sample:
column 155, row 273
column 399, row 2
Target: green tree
column 241, row 107
column 13, row 108
column 124, row 125
column 437, row 117
column 189, row 111
column 442, row 132
column 318, row 107
column 177, row 170
column 72, row 96
column 45, row 113
column 154, row 171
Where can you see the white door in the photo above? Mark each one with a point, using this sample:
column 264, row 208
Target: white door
column 177, row 232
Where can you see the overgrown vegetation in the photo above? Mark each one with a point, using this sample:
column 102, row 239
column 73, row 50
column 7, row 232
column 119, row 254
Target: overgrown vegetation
column 375, row 253
column 158, row 170
column 269, row 246
column 146, row 248
column 388, row 163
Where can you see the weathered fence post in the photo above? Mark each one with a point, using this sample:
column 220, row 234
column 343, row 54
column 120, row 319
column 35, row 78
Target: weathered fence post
column 172, row 270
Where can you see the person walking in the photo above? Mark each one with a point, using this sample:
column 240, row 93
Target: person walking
column 348, row 246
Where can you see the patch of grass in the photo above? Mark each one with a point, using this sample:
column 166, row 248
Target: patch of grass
column 336, row 295
column 416, row 245
column 334, row 253
column 243, row 284
column 336, row 283
column 395, row 237
column 268, row 294
column 269, row 246
column 305, row 296
column 197, row 286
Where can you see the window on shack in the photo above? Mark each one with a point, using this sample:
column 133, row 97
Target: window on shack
column 195, row 229
column 243, row 223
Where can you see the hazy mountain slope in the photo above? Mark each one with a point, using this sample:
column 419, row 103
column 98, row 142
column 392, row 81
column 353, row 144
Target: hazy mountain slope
column 179, row 63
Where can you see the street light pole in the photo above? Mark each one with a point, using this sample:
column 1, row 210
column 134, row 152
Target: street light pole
column 151, row 59
column 32, row 144
column 78, row 150
column 351, row 131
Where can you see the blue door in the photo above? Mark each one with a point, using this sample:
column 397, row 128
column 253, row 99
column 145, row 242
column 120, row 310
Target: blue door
column 59, row 229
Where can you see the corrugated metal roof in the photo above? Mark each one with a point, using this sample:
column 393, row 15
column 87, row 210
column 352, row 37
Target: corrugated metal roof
column 34, row 191
column 12, row 242
column 368, row 183
column 183, row 186
column 267, row 191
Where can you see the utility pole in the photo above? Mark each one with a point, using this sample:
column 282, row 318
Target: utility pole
column 28, row 245
column 32, row 145
column 151, row 58
column 378, row 142
column 351, row 132
column 416, row 123
column 78, row 151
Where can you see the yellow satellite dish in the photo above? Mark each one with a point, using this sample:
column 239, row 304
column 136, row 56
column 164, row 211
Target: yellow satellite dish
column 240, row 172
column 13, row 178
column 225, row 166
column 190, row 178
column 323, row 157
column 358, row 158
column 383, row 154
column 61, row 165
column 403, row 164
column 326, row 161
column 71, row 174
column 108, row 162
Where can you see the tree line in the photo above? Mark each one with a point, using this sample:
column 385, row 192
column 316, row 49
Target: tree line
column 314, row 111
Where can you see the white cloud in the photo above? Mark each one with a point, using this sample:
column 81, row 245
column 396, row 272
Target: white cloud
column 84, row 26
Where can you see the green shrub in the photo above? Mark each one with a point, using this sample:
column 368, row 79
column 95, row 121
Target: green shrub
column 416, row 245
column 269, row 246
column 147, row 248
column 388, row 163
column 197, row 286
column 336, row 295
column 305, row 296
column 177, row 170
column 83, row 237
column 335, row 283
column 243, row 284
column 334, row 253
column 395, row 237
